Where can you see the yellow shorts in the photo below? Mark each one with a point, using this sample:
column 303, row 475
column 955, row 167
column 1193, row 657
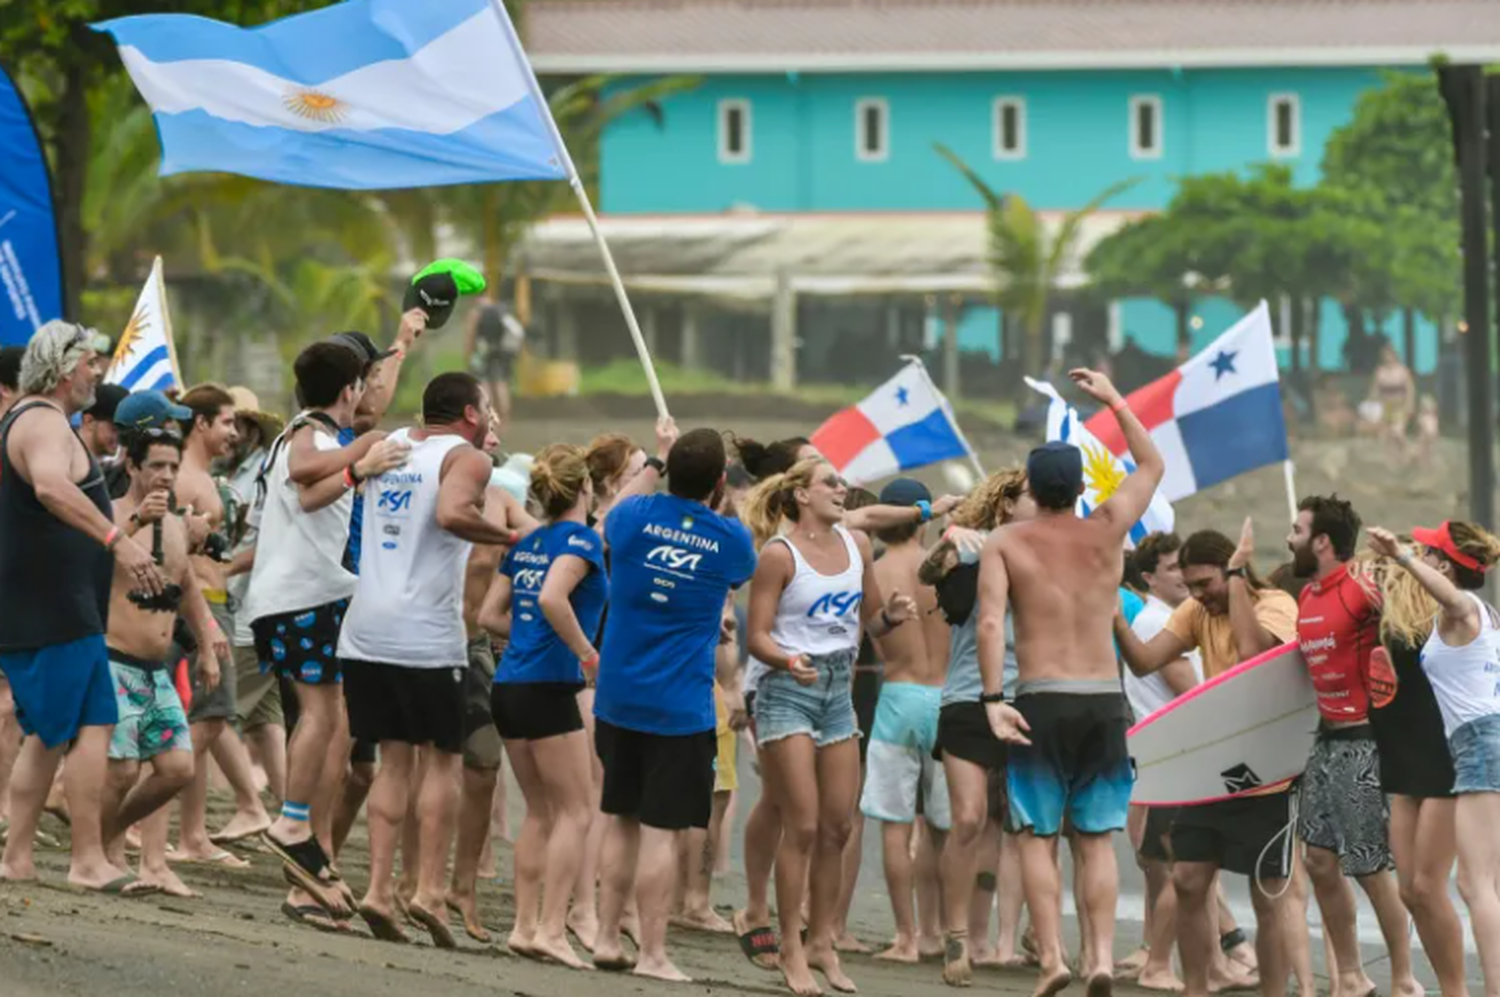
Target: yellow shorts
column 726, row 776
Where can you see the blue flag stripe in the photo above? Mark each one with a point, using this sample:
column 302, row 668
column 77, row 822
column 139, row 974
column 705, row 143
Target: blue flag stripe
column 141, row 367
column 926, row 442
column 297, row 47
column 511, row 145
column 167, row 380
column 1243, row 432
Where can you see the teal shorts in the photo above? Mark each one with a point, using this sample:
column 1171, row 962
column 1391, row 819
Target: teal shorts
column 152, row 720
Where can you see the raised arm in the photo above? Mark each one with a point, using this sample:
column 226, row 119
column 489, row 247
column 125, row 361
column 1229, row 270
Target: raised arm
column 645, row 482
column 1460, row 616
column 460, row 503
column 381, row 390
column 1128, row 504
column 1250, row 638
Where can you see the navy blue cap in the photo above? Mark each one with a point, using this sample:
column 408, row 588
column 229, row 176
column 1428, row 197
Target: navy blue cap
column 1055, row 468
column 149, row 410
column 904, row 491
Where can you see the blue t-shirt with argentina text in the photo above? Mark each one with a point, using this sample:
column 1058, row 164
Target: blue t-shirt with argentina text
column 535, row 653
column 672, row 564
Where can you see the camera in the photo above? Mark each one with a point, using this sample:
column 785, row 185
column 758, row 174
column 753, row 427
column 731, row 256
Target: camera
column 216, row 547
column 167, row 602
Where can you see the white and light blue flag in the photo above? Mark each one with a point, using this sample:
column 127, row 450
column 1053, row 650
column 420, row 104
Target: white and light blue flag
column 365, row 94
column 1103, row 472
column 146, row 357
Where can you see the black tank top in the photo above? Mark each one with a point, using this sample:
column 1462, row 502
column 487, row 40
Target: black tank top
column 1408, row 726
column 54, row 580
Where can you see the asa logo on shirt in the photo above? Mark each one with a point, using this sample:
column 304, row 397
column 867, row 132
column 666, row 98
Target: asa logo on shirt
column 530, row 578
column 674, row 557
column 395, row 500
column 837, row 604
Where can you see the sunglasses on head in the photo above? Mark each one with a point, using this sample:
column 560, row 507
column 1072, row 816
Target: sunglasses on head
column 160, row 433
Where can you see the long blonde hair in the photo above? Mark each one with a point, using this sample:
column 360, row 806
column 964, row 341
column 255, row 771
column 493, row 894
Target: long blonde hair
column 985, row 507
column 558, row 475
column 775, row 499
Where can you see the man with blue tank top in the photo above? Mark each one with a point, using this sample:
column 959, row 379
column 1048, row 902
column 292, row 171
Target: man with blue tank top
column 673, row 562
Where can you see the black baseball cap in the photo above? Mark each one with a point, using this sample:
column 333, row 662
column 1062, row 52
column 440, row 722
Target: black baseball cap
column 435, row 293
column 362, row 345
column 904, row 491
column 1054, row 468
column 107, row 399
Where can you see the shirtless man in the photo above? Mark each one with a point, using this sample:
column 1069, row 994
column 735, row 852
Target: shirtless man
column 901, row 769
column 482, row 747
column 153, row 727
column 210, row 435
column 1059, row 576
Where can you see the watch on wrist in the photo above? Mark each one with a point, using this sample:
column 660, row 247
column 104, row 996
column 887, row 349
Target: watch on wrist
column 658, row 465
column 1234, row 573
column 992, row 697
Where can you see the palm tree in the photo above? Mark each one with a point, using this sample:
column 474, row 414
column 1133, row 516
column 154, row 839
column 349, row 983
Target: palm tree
column 1027, row 261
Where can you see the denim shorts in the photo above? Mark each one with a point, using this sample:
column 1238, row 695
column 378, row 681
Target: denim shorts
column 823, row 711
column 1476, row 756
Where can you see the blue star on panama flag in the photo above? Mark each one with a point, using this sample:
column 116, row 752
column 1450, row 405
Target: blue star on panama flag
column 1224, row 363
column 903, row 397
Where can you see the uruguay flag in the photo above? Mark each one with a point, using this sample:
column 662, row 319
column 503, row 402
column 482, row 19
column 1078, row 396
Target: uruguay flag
column 1103, row 471
column 362, row 94
column 1216, row 416
column 904, row 423
column 146, row 357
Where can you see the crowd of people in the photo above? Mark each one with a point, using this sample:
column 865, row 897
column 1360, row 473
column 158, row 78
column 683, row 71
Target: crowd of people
column 374, row 620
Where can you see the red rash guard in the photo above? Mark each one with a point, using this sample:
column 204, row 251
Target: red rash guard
column 1338, row 627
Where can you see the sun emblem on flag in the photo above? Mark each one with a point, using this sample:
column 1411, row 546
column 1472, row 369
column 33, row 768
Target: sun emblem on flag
column 315, row 105
column 1101, row 472
column 137, row 325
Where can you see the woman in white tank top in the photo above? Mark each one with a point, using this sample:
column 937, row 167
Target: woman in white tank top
column 1462, row 662
column 813, row 593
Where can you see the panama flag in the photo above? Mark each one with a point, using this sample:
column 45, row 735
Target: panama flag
column 1103, row 472
column 146, row 357
column 1216, row 416
column 904, row 423
column 357, row 95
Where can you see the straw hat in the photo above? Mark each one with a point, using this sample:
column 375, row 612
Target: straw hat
column 247, row 406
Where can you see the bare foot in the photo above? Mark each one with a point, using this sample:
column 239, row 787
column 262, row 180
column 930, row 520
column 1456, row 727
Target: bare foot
column 93, row 877
column 703, row 920
column 630, row 927
column 467, row 907
column 986, row 958
column 166, row 880
column 1164, row 981
column 1056, row 981
column 1406, row 988
column 1232, row 977
column 521, row 943
column 18, row 873
column 240, row 827
column 1131, row 966
column 798, row 976
column 901, row 950
column 846, row 942
column 957, row 970
column 826, row 961
column 1101, row 985
column 929, row 947
column 585, row 928
column 661, row 969
column 557, row 950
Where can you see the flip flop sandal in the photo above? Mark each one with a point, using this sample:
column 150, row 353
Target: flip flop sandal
column 311, row 916
column 758, row 944
column 624, row 964
column 121, row 887
column 442, row 935
column 221, row 859
column 383, row 927
column 232, row 839
column 303, row 865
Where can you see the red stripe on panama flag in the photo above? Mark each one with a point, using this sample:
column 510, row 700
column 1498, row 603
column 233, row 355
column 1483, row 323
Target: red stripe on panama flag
column 1151, row 404
column 844, row 436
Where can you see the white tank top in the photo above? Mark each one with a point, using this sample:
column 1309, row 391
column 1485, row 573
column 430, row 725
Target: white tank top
column 819, row 614
column 408, row 605
column 1465, row 680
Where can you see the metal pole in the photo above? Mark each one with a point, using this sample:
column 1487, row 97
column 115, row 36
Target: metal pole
column 1463, row 89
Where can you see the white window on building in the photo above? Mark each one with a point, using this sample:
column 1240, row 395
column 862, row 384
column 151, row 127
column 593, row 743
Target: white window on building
column 734, row 131
column 872, row 123
column 1284, row 125
column 1010, row 128
column 1145, row 127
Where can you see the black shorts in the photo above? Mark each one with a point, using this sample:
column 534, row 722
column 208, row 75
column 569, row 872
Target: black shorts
column 364, row 752
column 1156, row 835
column 964, row 732
column 665, row 781
column 866, row 696
column 302, row 645
column 409, row 705
column 531, row 711
column 1235, row 835
column 1077, row 768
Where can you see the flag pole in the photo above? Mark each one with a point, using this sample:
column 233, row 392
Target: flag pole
column 166, row 321
column 1290, row 472
column 922, row 368
column 576, row 182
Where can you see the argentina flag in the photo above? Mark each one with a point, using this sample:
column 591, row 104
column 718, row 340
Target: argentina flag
column 1103, row 472
column 365, row 94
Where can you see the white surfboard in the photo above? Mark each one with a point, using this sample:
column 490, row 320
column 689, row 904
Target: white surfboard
column 1247, row 729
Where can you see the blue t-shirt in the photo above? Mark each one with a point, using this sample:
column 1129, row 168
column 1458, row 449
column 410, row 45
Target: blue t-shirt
column 672, row 564
column 346, row 436
column 535, row 653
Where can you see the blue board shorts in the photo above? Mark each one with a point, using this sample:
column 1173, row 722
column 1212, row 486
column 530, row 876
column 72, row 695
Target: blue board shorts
column 1077, row 766
column 62, row 688
column 903, row 777
column 824, row 711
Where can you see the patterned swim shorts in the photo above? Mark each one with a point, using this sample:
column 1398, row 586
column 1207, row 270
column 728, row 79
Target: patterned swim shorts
column 152, row 720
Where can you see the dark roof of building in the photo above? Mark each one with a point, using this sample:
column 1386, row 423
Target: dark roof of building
column 576, row 36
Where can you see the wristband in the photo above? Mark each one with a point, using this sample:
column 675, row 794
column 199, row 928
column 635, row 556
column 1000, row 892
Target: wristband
column 658, row 465
column 992, row 697
column 925, row 508
column 589, row 664
column 1235, row 573
column 350, row 480
column 1119, row 406
column 111, row 538
column 886, row 619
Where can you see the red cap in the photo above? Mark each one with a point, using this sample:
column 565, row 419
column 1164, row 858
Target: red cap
column 1442, row 539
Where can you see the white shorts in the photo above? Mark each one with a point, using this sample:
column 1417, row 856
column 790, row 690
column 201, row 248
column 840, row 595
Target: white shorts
column 900, row 772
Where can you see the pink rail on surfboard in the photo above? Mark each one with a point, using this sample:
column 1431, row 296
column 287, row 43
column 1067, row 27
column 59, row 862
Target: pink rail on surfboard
column 1199, row 690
